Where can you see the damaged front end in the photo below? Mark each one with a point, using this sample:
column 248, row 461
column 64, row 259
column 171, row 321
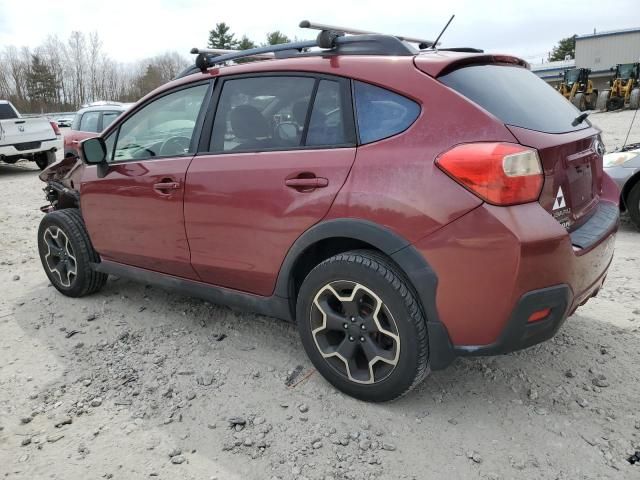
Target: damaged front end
column 63, row 182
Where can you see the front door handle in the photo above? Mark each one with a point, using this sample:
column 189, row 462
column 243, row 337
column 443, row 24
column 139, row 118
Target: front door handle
column 166, row 187
column 307, row 183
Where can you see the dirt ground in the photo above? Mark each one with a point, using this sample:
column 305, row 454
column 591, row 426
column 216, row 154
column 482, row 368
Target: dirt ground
column 136, row 382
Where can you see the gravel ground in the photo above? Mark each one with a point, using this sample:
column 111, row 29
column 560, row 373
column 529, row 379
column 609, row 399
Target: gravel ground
column 136, row 382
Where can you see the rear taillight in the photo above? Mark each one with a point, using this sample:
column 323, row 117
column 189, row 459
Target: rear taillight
column 55, row 127
column 499, row 173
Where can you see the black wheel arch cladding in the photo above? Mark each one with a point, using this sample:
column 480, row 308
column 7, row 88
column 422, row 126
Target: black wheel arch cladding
column 421, row 276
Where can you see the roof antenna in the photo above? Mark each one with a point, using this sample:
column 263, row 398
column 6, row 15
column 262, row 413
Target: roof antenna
column 435, row 43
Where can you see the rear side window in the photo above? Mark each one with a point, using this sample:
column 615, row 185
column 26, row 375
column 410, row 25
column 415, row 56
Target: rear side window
column 381, row 113
column 6, row 112
column 326, row 126
column 108, row 118
column 516, row 96
column 261, row 113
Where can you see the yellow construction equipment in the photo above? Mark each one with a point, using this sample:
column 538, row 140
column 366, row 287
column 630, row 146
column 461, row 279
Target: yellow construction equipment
column 624, row 89
column 578, row 89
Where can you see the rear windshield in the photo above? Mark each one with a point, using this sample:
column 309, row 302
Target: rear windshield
column 6, row 112
column 516, row 96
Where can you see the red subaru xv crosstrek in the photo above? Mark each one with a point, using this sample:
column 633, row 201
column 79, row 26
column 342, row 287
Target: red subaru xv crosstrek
column 403, row 207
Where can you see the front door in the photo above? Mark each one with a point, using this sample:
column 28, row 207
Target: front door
column 281, row 148
column 134, row 214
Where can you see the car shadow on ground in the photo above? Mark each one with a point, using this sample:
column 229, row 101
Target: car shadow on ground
column 22, row 167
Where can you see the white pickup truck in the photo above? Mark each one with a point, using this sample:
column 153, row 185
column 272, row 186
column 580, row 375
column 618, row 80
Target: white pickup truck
column 36, row 139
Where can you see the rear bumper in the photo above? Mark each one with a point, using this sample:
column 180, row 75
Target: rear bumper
column 55, row 145
column 496, row 266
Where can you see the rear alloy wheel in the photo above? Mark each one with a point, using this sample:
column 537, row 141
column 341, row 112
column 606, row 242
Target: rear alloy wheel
column 362, row 327
column 67, row 254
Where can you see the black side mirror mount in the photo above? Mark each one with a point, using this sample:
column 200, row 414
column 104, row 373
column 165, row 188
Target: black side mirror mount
column 94, row 152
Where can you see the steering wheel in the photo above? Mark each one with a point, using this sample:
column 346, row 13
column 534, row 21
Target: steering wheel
column 175, row 146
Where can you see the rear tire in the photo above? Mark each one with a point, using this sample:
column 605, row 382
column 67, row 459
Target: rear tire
column 362, row 327
column 580, row 102
column 634, row 99
column 601, row 102
column 633, row 204
column 66, row 253
column 44, row 159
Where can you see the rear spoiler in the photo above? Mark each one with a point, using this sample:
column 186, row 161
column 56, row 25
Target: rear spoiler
column 437, row 67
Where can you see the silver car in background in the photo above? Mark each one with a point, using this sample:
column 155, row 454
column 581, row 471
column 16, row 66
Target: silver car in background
column 624, row 167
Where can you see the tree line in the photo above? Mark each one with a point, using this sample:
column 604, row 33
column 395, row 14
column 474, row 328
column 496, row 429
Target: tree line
column 62, row 75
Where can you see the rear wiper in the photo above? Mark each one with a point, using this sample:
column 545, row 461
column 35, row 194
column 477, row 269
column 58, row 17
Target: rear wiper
column 579, row 119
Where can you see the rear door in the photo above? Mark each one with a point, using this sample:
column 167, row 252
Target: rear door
column 539, row 117
column 281, row 148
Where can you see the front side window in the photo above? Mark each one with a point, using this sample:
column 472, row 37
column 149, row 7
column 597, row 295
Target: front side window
column 381, row 113
column 89, row 122
column 162, row 128
column 261, row 113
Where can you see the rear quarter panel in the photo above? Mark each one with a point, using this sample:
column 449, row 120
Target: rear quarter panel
column 395, row 182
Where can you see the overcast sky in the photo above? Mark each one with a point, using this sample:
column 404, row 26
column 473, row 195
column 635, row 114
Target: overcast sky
column 131, row 30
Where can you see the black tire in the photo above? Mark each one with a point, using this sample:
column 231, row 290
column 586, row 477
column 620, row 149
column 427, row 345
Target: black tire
column 633, row 204
column 370, row 276
column 615, row 103
column 44, row 159
column 65, row 230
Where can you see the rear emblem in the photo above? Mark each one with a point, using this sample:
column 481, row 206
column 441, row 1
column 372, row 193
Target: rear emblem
column 560, row 210
column 559, row 203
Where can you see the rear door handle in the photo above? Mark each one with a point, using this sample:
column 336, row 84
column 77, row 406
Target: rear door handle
column 166, row 188
column 313, row 182
column 75, row 142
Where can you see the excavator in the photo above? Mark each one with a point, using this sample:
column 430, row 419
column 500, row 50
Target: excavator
column 578, row 89
column 624, row 89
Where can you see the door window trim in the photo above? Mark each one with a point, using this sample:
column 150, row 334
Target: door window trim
column 204, row 146
column 197, row 129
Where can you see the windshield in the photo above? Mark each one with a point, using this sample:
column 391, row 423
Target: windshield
column 626, row 70
column 516, row 96
column 572, row 75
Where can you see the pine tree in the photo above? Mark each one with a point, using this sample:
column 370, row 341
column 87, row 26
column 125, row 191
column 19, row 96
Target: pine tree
column 245, row 43
column 41, row 84
column 566, row 46
column 221, row 37
column 277, row 37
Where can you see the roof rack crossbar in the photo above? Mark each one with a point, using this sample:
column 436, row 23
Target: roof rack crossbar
column 356, row 31
column 207, row 59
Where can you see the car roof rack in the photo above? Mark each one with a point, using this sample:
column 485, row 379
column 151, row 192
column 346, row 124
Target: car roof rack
column 330, row 40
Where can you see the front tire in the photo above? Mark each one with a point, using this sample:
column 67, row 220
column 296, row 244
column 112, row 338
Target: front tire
column 66, row 253
column 362, row 327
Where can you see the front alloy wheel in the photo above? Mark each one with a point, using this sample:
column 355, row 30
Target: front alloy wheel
column 59, row 257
